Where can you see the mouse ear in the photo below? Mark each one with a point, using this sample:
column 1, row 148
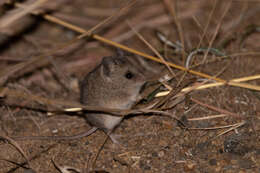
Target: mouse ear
column 105, row 71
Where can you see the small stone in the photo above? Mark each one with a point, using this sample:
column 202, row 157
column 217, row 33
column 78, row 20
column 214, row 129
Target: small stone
column 161, row 154
column 190, row 166
column 54, row 131
column 218, row 169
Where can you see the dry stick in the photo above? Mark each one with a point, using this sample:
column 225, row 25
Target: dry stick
column 207, row 117
column 232, row 128
column 60, row 73
column 201, row 29
column 16, row 145
column 139, row 19
column 207, row 24
column 170, row 5
column 218, row 58
column 99, row 151
column 17, row 13
column 216, row 31
column 229, row 34
column 152, row 48
column 173, row 94
column 84, row 33
column 34, row 157
column 76, row 28
column 243, row 85
column 38, row 59
column 26, row 169
column 215, row 34
column 159, row 20
column 104, row 40
column 55, row 102
column 99, row 38
column 218, row 127
column 243, row 79
column 190, row 88
column 215, row 109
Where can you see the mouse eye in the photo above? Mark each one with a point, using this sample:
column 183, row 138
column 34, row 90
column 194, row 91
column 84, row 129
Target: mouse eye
column 129, row 75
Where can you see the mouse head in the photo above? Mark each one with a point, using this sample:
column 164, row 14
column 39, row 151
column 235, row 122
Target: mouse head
column 120, row 70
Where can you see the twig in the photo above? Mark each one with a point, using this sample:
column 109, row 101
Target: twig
column 207, row 117
column 5, row 73
column 99, row 151
column 57, row 103
column 171, row 7
column 99, row 38
column 16, row 145
column 18, row 13
column 232, row 126
column 204, row 86
column 243, row 79
column 217, row 30
column 207, row 24
column 152, row 48
column 235, row 126
column 215, row 108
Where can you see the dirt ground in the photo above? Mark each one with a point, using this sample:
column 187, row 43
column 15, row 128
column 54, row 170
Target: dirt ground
column 37, row 75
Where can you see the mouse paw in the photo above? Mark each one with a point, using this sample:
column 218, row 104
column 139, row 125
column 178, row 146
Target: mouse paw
column 116, row 140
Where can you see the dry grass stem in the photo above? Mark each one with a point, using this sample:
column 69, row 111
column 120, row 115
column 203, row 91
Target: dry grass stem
column 207, row 117
column 207, row 24
column 171, row 7
column 57, row 103
column 99, row 151
column 99, row 38
column 48, row 48
column 5, row 73
column 215, row 108
column 153, row 49
column 16, row 14
column 17, row 146
column 232, row 127
column 243, row 79
column 217, row 30
column 205, row 86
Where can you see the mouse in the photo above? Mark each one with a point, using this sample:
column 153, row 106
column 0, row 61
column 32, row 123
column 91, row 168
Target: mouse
column 115, row 83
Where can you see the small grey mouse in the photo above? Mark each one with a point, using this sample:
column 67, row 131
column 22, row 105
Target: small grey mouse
column 115, row 83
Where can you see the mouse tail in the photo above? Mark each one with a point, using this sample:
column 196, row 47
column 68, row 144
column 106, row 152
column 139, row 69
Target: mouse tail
column 80, row 135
